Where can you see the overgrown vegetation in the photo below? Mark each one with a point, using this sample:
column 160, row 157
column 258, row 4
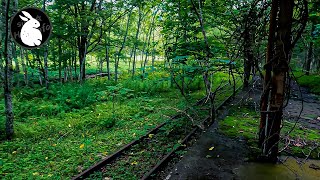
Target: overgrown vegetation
column 60, row 134
column 113, row 69
column 312, row 82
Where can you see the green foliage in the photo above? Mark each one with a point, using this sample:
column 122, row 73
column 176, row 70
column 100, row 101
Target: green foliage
column 50, row 147
column 107, row 122
column 311, row 81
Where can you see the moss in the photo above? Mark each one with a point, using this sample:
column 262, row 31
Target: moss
column 311, row 81
column 244, row 122
column 240, row 122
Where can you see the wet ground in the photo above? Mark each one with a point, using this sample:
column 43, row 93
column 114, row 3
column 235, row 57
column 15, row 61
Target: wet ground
column 310, row 115
column 215, row 156
column 289, row 169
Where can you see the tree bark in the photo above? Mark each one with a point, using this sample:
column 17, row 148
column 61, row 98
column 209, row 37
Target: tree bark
column 14, row 50
column 116, row 64
column 24, row 67
column 266, row 86
column 70, row 66
column 280, row 67
column 207, row 50
column 108, row 56
column 60, row 59
column 45, row 56
column 310, row 53
column 7, row 74
column 248, row 47
column 148, row 42
column 136, row 43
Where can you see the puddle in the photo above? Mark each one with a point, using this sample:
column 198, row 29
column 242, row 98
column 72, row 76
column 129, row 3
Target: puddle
column 290, row 169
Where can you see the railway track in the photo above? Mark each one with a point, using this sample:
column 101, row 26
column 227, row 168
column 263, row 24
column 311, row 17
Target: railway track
column 152, row 150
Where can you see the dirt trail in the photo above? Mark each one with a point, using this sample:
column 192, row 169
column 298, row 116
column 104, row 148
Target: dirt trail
column 310, row 116
column 218, row 163
column 230, row 153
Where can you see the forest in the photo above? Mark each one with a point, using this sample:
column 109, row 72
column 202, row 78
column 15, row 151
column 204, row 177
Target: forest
column 163, row 89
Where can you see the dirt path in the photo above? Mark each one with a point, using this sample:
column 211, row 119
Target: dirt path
column 213, row 156
column 228, row 154
column 310, row 116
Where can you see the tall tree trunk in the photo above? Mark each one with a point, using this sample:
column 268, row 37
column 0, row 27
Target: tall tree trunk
column 70, row 67
column 148, row 43
column 153, row 50
column 248, row 52
column 40, row 69
column 121, row 48
column 143, row 49
column 267, row 84
column 310, row 53
column 24, row 67
column 53, row 55
column 278, row 80
column 100, row 64
column 83, row 55
column 7, row 74
column 207, row 50
column 130, row 60
column 136, row 43
column 75, row 61
column 14, row 50
column 60, row 59
column 45, row 56
column 27, row 65
column 65, row 68
column 108, row 57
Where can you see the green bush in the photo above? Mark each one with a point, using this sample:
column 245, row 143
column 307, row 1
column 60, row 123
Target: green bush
column 107, row 122
column 310, row 81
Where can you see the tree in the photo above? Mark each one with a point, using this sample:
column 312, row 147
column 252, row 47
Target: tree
column 314, row 20
column 280, row 45
column 7, row 73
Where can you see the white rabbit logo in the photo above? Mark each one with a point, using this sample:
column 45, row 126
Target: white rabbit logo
column 29, row 34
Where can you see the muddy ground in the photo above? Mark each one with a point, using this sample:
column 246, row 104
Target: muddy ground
column 231, row 153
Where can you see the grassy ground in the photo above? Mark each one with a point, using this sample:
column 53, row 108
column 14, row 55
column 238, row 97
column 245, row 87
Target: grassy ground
column 311, row 81
column 61, row 132
column 244, row 122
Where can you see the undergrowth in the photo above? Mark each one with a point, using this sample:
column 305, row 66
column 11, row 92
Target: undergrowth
column 62, row 131
column 311, row 81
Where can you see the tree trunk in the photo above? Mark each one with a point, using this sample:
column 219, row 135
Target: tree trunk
column 267, row 77
column 248, row 52
column 278, row 80
column 45, row 56
column 100, row 64
column 60, row 59
column 14, row 50
column 40, row 70
column 153, row 50
column 70, row 68
column 148, row 43
column 83, row 63
column 24, row 67
column 130, row 60
column 207, row 51
column 136, row 44
column 310, row 53
column 121, row 48
column 65, row 68
column 27, row 65
column 75, row 61
column 108, row 58
column 7, row 74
